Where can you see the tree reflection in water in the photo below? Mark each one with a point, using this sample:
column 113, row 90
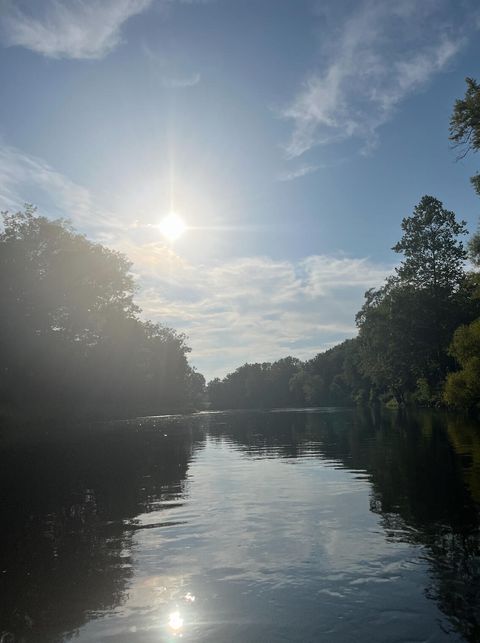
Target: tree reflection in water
column 67, row 517
column 424, row 470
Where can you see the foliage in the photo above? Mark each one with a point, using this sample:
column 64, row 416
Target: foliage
column 406, row 326
column 465, row 124
column 388, row 356
column 423, row 394
column 465, row 135
column 264, row 385
column 474, row 249
column 331, row 378
column 434, row 256
column 70, row 334
column 462, row 389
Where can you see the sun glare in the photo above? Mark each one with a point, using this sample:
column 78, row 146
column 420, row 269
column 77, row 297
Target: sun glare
column 172, row 227
column 175, row 621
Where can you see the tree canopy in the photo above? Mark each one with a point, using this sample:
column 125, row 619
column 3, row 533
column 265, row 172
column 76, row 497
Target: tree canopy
column 462, row 388
column 465, row 124
column 70, row 331
column 434, row 254
column 405, row 327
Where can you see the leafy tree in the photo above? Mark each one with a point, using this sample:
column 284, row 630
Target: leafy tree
column 281, row 373
column 474, row 249
column 70, row 335
column 263, row 385
column 434, row 256
column 56, row 282
column 329, row 379
column 465, row 124
column 406, row 326
column 434, row 265
column 332, row 378
column 465, row 135
column 462, row 389
column 388, row 356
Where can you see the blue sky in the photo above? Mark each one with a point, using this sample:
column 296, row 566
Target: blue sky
column 291, row 135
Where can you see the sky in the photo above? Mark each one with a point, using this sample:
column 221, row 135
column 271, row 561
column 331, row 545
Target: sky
column 292, row 137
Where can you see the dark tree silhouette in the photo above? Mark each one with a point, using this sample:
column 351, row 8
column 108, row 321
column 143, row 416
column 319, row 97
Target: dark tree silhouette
column 70, row 333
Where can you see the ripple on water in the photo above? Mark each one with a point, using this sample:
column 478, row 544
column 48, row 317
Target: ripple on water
column 283, row 527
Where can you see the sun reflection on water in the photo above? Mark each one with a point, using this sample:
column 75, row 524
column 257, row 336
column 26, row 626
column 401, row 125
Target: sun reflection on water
column 175, row 622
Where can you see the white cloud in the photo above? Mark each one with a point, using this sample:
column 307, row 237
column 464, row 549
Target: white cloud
column 69, row 28
column 324, row 273
column 255, row 308
column 379, row 55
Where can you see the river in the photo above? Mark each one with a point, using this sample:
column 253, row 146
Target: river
column 315, row 525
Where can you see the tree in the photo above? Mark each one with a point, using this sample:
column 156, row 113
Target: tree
column 434, row 256
column 465, row 125
column 263, row 385
column 390, row 353
column 465, row 135
column 70, row 334
column 406, row 326
column 474, row 249
column 332, row 378
column 434, row 265
column 462, row 389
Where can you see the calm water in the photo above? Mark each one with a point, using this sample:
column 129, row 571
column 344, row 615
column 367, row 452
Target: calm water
column 283, row 526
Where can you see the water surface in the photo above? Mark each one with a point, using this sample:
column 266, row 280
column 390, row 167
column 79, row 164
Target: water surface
column 283, row 526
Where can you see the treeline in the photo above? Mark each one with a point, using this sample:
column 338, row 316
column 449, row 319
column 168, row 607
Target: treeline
column 413, row 335
column 418, row 335
column 326, row 380
column 71, row 338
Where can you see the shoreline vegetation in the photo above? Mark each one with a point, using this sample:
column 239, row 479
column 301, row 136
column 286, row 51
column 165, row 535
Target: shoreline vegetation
column 71, row 337
column 418, row 339
column 72, row 340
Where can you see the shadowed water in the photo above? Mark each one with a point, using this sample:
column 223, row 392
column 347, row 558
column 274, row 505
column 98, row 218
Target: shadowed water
column 283, row 526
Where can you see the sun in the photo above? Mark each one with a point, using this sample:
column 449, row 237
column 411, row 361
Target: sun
column 172, row 226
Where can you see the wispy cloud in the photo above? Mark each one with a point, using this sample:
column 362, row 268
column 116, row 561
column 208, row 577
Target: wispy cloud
column 380, row 54
column 298, row 172
column 26, row 178
column 164, row 69
column 179, row 82
column 69, row 28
